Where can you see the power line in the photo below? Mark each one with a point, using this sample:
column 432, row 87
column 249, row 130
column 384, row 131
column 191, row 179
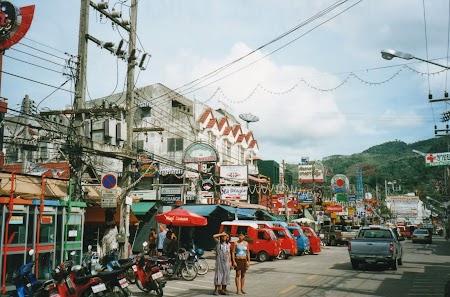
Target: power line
column 14, row 49
column 35, row 81
column 26, row 62
column 44, row 52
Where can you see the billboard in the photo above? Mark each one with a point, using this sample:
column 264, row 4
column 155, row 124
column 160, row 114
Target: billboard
column 403, row 206
column 233, row 174
column 234, row 193
column 437, row 159
column 311, row 173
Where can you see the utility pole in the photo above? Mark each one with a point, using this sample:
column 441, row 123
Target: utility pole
column 126, row 165
column 76, row 129
column 283, row 183
column 26, row 111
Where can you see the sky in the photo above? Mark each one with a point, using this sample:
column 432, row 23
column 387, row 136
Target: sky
column 321, row 90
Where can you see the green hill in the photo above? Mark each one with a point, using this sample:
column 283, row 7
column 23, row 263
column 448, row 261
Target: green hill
column 391, row 161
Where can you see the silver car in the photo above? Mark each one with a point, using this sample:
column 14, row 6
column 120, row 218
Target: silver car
column 421, row 235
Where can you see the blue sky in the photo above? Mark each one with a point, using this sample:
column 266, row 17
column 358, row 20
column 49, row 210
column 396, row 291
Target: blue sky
column 188, row 39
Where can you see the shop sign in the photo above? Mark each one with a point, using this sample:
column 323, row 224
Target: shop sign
column 199, row 152
column 47, row 220
column 237, row 193
column 170, row 195
column 437, row 159
column 207, row 184
column 334, row 208
column 305, row 197
column 233, row 174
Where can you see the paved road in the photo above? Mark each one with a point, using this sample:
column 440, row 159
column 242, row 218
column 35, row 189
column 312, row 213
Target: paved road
column 424, row 273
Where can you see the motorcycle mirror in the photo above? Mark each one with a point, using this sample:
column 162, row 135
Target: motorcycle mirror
column 31, row 252
column 89, row 247
column 72, row 253
column 144, row 244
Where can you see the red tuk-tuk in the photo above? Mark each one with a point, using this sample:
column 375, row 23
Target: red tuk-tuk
column 314, row 240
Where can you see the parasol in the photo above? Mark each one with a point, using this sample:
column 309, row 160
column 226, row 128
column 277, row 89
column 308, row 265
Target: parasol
column 181, row 217
column 304, row 220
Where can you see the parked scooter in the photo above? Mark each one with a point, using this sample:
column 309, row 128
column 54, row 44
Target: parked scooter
column 148, row 276
column 71, row 281
column 25, row 280
column 195, row 256
column 109, row 271
column 177, row 266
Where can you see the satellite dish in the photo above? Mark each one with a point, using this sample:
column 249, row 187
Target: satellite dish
column 249, row 118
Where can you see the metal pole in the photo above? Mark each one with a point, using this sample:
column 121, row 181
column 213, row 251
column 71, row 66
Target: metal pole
column 26, row 112
column 286, row 211
column 125, row 208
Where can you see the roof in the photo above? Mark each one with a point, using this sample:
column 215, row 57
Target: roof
column 142, row 208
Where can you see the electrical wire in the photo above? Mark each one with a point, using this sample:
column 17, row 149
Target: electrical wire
column 14, row 49
column 35, row 81
column 26, row 62
column 44, row 52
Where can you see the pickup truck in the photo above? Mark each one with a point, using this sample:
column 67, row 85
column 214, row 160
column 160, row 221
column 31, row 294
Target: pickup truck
column 376, row 244
column 337, row 234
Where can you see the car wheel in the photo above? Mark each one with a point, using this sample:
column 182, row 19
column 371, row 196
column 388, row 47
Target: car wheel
column 282, row 255
column 262, row 257
column 400, row 261
column 355, row 264
column 394, row 264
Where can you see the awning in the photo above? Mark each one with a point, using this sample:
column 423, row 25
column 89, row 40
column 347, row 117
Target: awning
column 203, row 210
column 142, row 208
column 242, row 214
column 97, row 216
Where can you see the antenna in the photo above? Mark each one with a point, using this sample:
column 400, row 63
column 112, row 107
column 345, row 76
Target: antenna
column 249, row 118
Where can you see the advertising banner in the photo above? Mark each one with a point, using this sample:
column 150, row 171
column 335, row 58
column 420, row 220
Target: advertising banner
column 199, row 152
column 278, row 203
column 340, row 183
column 236, row 193
column 233, row 174
column 334, row 208
column 305, row 197
column 437, row 159
column 310, row 173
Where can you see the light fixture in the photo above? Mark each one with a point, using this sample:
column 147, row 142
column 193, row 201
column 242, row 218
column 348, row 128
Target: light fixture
column 388, row 54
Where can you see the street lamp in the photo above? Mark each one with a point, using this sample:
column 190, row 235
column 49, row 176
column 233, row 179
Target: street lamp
column 388, row 54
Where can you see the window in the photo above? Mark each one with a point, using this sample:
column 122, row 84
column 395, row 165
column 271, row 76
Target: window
column 43, row 152
column 146, row 112
column 174, row 144
column 228, row 149
column 212, row 139
column 242, row 155
column 241, row 229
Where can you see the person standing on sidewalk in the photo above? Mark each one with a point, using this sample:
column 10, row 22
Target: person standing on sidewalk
column 223, row 263
column 241, row 262
column 161, row 236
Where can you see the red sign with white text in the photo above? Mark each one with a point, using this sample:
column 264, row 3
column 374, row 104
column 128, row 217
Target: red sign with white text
column 334, row 208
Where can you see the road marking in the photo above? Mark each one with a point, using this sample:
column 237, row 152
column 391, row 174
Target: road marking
column 311, row 277
column 193, row 285
column 288, row 289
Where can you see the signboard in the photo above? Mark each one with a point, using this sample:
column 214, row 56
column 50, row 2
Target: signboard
column 305, row 197
column 311, row 173
column 340, row 183
column 170, row 195
column 351, row 198
column 233, row 174
column 109, row 181
column 166, row 170
column 16, row 220
column 279, row 205
column 144, row 194
column 334, row 208
column 200, row 152
column 109, row 198
column 237, row 193
column 437, row 159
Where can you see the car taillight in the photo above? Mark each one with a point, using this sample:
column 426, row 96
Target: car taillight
column 391, row 247
column 414, row 236
column 426, row 236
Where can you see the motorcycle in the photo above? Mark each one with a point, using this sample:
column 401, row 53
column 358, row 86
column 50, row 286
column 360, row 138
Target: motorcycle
column 25, row 280
column 148, row 276
column 195, row 256
column 178, row 266
column 71, row 281
column 109, row 270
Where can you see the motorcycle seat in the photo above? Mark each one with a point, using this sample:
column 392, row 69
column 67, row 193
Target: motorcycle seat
column 81, row 280
column 104, row 275
column 124, row 261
